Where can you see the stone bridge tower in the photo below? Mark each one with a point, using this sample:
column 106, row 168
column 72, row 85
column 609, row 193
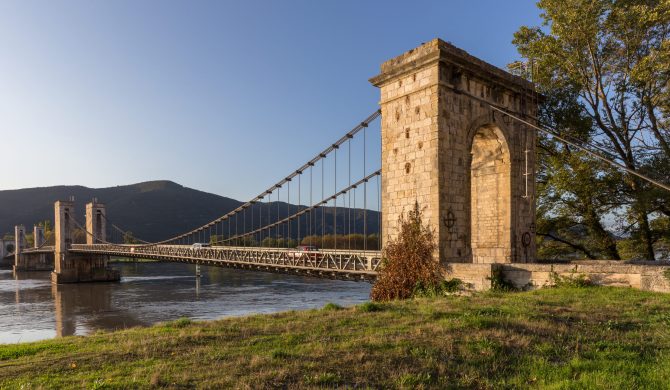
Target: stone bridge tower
column 64, row 265
column 24, row 258
column 19, row 245
column 468, row 166
column 72, row 266
column 38, row 236
column 96, row 222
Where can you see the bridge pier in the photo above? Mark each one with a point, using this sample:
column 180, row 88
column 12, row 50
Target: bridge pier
column 75, row 268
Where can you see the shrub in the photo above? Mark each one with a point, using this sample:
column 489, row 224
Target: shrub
column 408, row 260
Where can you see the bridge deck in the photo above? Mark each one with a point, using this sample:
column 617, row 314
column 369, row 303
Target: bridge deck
column 44, row 249
column 340, row 264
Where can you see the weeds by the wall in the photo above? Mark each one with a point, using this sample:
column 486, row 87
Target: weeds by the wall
column 499, row 283
column 574, row 280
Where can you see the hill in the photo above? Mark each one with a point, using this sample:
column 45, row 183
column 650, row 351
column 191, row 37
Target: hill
column 152, row 210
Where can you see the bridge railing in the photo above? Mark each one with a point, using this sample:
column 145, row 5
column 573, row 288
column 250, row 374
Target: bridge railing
column 42, row 249
column 337, row 261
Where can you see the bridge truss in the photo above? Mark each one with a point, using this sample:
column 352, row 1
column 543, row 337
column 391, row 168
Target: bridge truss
column 337, row 264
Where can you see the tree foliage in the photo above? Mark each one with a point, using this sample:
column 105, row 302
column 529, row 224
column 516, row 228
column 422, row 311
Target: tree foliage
column 604, row 68
column 343, row 241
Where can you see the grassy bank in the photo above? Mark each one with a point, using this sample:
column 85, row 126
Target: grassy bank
column 558, row 338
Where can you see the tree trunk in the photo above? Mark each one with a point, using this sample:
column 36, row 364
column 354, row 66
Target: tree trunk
column 647, row 237
column 608, row 246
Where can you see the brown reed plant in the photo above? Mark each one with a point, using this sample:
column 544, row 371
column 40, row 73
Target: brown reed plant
column 408, row 260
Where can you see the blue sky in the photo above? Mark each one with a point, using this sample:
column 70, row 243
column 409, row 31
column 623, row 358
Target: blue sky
column 225, row 97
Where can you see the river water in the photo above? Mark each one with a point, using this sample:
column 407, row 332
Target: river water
column 31, row 308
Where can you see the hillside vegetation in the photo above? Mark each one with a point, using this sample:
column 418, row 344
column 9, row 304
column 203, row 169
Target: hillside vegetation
column 553, row 338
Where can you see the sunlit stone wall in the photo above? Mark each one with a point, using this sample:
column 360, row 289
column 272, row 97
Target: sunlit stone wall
column 433, row 135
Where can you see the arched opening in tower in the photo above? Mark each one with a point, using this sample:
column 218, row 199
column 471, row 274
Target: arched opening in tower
column 97, row 239
column 490, row 197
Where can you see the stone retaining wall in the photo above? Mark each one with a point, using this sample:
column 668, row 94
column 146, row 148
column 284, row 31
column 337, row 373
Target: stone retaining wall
column 648, row 276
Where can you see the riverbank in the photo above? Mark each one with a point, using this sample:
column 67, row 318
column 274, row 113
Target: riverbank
column 593, row 337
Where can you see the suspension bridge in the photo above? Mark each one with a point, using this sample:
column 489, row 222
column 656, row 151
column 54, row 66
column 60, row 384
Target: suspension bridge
column 282, row 214
column 458, row 137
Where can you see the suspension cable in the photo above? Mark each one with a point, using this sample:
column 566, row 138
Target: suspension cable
column 319, row 157
column 335, row 203
column 95, row 238
column 365, row 198
column 277, row 185
column 320, row 204
column 121, row 231
column 554, row 133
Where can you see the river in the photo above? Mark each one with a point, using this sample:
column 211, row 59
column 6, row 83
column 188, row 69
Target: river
column 31, row 308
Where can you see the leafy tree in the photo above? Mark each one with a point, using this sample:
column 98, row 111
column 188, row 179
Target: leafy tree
column 269, row 242
column 286, row 243
column 603, row 65
column 273, row 242
column 573, row 192
column 246, row 241
column 217, row 240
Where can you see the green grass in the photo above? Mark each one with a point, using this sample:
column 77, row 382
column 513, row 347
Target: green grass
column 331, row 306
column 369, row 307
column 561, row 338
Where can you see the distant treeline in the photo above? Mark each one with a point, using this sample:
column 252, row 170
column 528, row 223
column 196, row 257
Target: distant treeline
column 328, row 241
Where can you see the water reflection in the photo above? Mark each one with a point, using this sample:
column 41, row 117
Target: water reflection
column 79, row 309
column 31, row 308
